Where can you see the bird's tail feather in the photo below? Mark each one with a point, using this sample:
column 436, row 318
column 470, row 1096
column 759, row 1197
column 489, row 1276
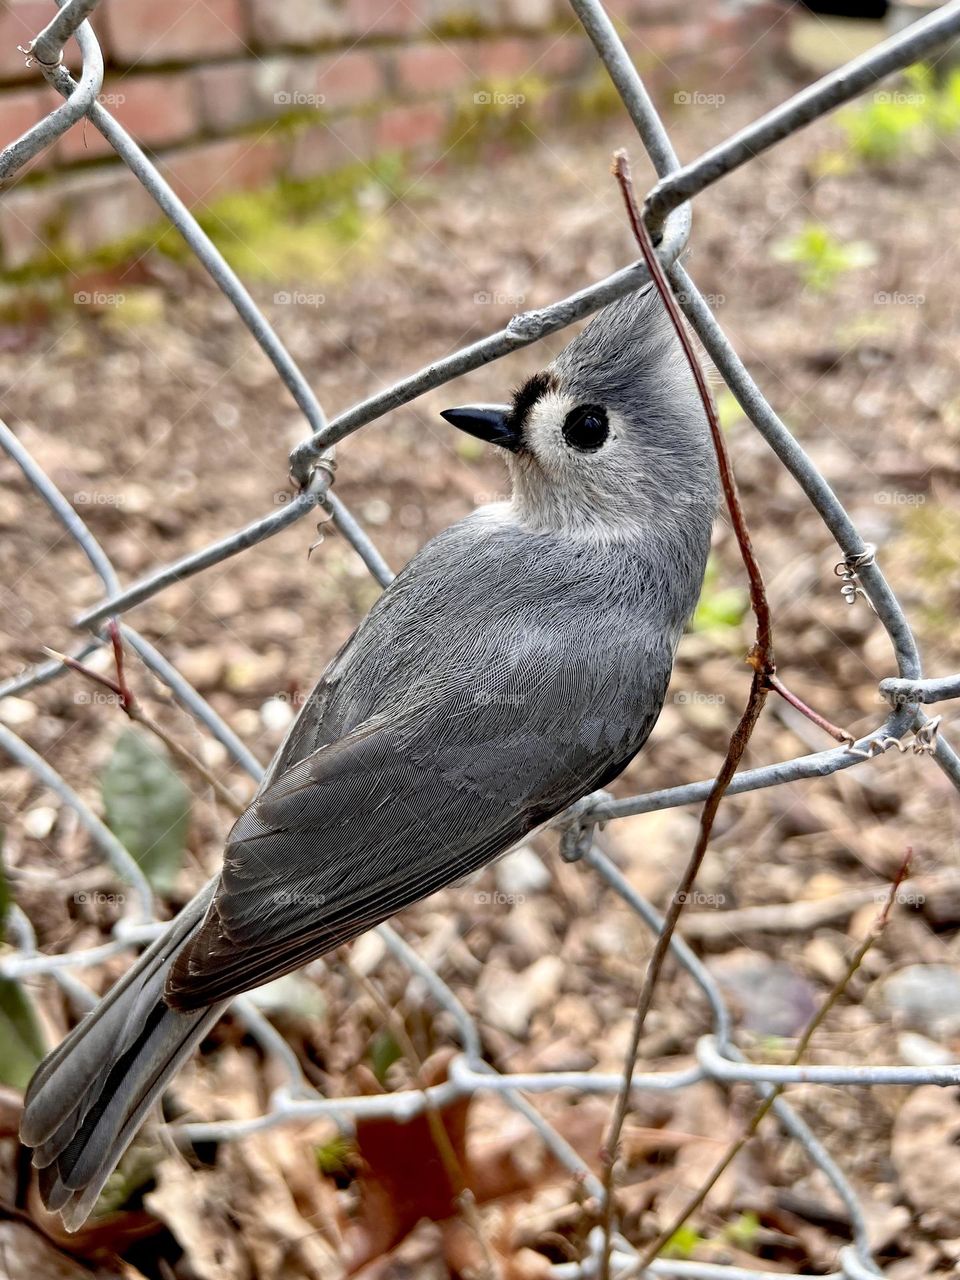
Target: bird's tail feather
column 90, row 1095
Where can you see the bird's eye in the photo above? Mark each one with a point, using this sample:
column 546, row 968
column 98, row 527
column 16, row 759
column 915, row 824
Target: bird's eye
column 586, row 427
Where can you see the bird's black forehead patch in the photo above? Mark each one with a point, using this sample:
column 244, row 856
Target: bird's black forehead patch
column 527, row 395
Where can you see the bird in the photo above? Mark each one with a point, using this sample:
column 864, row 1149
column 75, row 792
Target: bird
column 516, row 664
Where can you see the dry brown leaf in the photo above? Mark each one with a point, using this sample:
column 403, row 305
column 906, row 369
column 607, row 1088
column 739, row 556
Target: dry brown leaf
column 195, row 1205
column 926, row 1153
column 24, row 1252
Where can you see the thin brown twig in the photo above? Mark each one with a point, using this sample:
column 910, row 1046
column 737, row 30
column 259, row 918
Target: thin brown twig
column 763, row 652
column 441, row 1139
column 668, row 1232
column 840, row 735
column 128, row 702
column 761, row 659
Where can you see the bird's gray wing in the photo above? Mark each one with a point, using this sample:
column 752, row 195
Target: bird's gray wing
column 401, row 806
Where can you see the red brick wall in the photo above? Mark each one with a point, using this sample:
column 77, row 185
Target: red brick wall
column 212, row 89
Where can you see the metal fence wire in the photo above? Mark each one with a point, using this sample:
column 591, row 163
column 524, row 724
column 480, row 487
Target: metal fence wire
column 667, row 211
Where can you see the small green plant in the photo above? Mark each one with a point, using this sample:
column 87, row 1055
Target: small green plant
column 335, row 1157
column 135, row 1174
column 384, row 1052
column 720, row 608
column 905, row 119
column 743, row 1231
column 147, row 806
column 21, row 1038
column 944, row 103
column 683, row 1243
column 820, row 257
column 728, row 410
column 882, row 129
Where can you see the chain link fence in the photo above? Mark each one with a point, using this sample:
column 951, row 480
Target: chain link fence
column 668, row 217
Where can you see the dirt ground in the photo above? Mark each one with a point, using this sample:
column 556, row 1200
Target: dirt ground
column 165, row 424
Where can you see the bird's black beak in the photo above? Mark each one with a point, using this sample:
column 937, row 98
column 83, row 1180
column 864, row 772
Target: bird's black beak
column 490, row 422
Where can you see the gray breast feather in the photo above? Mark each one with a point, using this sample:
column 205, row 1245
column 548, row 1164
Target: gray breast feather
column 495, row 682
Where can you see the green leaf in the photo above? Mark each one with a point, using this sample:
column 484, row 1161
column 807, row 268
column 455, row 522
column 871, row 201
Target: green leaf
column 743, row 1231
column 21, row 1040
column 683, row 1243
column 728, row 410
column 335, row 1156
column 820, row 257
column 147, row 806
column 384, row 1052
column 720, row 608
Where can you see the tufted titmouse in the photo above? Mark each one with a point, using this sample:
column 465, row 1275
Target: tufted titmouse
column 517, row 663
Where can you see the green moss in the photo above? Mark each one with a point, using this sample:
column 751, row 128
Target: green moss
column 31, row 304
column 135, row 308
column 497, row 110
column 317, row 229
column 458, row 24
column 597, row 98
column 311, row 229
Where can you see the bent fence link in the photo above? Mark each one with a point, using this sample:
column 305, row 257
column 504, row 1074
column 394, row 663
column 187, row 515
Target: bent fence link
column 667, row 213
